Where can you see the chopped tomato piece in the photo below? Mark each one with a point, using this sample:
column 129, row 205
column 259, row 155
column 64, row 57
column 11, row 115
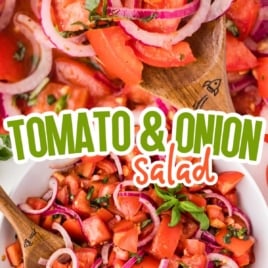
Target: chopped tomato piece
column 176, row 56
column 81, row 205
column 215, row 215
column 234, row 244
column 14, row 253
column 166, row 239
column 69, row 12
column 129, row 206
column 96, row 230
column 76, row 73
column 11, row 69
column 244, row 15
column 118, row 59
column 238, row 56
column 228, row 180
column 127, row 239
column 73, row 228
column 194, row 246
column 261, row 72
column 86, row 256
column 147, row 261
column 56, row 97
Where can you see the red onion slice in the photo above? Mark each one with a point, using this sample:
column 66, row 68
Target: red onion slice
column 9, row 106
column 60, row 252
column 53, row 185
column 168, row 39
column 30, row 29
column 223, row 200
column 35, row 6
column 163, row 263
column 66, row 238
column 227, row 261
column 142, row 13
column 244, row 218
column 64, row 44
column 105, row 252
column 118, row 165
column 218, row 7
column 7, row 13
column 260, row 29
column 155, row 218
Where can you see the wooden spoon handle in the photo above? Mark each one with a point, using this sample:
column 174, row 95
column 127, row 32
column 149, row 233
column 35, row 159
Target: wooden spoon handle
column 21, row 224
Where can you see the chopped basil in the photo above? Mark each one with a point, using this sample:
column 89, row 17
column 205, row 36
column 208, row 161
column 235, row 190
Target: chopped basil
column 102, row 201
column 232, row 28
column 174, row 200
column 5, row 147
column 51, row 99
column 240, row 233
column 20, row 53
column 85, row 27
column 61, row 103
column 90, row 193
column 145, row 223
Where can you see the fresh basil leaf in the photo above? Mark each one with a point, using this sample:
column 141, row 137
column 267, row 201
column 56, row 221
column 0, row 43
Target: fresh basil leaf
column 91, row 5
column 5, row 140
column 190, row 207
column 5, row 154
column 165, row 206
column 176, row 189
column 162, row 193
column 202, row 218
column 175, row 215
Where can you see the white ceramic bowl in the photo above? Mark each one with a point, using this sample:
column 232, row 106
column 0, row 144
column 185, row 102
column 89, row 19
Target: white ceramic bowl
column 35, row 181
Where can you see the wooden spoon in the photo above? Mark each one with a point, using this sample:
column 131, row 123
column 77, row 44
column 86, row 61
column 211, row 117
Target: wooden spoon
column 202, row 84
column 35, row 241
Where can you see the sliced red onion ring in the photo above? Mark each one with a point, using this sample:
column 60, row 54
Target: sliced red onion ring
column 60, row 252
column 260, row 29
column 238, row 212
column 30, row 29
column 66, row 238
column 155, row 218
column 163, row 263
column 7, row 13
column 218, row 7
column 166, row 40
column 223, row 200
column 227, row 261
column 97, row 263
column 53, row 185
column 64, row 44
column 142, row 13
column 118, row 165
column 105, row 252
column 117, row 189
column 9, row 106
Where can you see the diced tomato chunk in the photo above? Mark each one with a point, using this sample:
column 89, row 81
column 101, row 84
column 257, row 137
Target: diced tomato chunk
column 96, row 230
column 261, row 72
column 86, row 256
column 14, row 253
column 118, row 59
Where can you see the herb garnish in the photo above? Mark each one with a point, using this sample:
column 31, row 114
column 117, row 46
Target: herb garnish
column 240, row 233
column 176, row 201
column 20, row 53
column 5, row 147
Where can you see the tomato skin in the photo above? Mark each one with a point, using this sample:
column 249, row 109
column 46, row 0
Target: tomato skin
column 176, row 56
column 238, row 56
column 14, row 253
column 75, row 73
column 228, row 180
column 237, row 246
column 147, row 261
column 96, row 230
column 11, row 70
column 77, row 97
column 117, row 58
column 166, row 239
column 261, row 72
column 244, row 15
column 86, row 256
column 81, row 204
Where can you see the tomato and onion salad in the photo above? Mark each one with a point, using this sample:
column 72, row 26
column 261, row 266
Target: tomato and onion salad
column 51, row 57
column 106, row 221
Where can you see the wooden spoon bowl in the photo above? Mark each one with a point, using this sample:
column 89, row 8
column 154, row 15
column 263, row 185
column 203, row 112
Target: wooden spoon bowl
column 35, row 241
column 202, row 84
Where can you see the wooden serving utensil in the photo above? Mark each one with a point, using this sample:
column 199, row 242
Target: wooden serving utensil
column 35, row 241
column 199, row 85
